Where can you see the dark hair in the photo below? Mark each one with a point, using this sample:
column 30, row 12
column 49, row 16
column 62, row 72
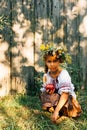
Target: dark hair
column 49, row 53
column 46, row 68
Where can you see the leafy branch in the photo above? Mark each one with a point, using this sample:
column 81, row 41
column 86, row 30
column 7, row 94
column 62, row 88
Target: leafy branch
column 4, row 22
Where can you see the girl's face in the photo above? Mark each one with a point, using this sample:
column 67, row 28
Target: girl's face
column 52, row 63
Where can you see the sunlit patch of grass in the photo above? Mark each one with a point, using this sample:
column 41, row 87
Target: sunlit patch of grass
column 22, row 112
column 68, row 124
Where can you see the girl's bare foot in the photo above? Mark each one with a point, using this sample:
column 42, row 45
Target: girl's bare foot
column 51, row 109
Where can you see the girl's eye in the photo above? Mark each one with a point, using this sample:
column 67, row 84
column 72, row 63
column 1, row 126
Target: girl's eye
column 55, row 60
column 49, row 61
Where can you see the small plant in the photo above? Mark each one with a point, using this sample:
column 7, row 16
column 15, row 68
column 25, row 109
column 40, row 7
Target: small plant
column 75, row 73
column 38, row 82
column 4, row 22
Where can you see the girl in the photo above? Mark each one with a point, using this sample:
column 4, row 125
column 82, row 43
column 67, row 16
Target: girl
column 57, row 93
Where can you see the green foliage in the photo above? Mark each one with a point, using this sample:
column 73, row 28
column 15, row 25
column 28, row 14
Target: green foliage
column 35, row 88
column 75, row 72
column 4, row 22
column 38, row 82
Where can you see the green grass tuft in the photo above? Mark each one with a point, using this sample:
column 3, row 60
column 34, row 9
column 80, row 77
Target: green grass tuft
column 22, row 112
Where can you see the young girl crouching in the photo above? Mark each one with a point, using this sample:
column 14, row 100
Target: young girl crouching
column 57, row 93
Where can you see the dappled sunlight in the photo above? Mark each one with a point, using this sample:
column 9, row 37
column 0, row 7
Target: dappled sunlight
column 82, row 4
column 29, row 54
column 3, row 3
column 25, row 51
column 28, row 39
column 4, row 79
column 20, row 30
column 4, row 71
column 83, row 27
column 4, row 68
column 37, row 66
column 1, row 38
column 4, row 64
column 28, row 6
column 28, row 48
column 14, row 50
column 75, row 11
column 46, row 24
column 16, row 63
column 3, row 49
column 72, row 14
column 38, row 38
column 35, row 22
column 83, row 44
column 60, row 32
column 24, row 41
column 21, row 17
column 78, row 9
column 73, row 49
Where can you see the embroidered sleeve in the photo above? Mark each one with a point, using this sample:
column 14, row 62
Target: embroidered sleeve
column 65, row 84
column 64, row 87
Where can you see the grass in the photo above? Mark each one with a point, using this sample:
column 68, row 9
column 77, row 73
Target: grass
column 22, row 112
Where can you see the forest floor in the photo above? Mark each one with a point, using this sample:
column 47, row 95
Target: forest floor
column 22, row 112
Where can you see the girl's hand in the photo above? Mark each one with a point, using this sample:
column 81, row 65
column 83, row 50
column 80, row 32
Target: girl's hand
column 55, row 116
column 50, row 91
column 47, row 90
column 50, row 88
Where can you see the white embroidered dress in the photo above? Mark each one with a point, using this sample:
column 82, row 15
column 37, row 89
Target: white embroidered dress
column 62, row 83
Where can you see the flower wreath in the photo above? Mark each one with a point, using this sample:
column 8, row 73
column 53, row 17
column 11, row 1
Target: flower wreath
column 60, row 51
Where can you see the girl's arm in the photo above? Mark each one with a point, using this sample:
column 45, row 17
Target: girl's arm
column 44, row 78
column 61, row 103
column 43, row 89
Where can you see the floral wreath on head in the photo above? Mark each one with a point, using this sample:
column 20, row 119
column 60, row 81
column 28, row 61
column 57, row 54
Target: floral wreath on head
column 56, row 49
